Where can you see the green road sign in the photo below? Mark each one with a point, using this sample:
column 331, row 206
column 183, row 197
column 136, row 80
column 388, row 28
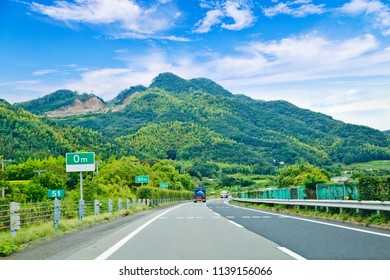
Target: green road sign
column 78, row 162
column 163, row 185
column 142, row 179
column 55, row 193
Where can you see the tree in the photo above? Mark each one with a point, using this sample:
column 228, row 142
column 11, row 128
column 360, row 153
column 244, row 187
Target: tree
column 303, row 174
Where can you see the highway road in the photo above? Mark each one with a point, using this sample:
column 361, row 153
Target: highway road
column 215, row 231
column 312, row 239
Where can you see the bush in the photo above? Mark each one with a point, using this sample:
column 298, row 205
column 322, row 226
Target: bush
column 156, row 193
column 8, row 247
column 374, row 188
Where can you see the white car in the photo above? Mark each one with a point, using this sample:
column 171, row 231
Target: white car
column 224, row 194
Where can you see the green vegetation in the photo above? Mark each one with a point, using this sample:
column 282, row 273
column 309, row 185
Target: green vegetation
column 371, row 165
column 226, row 128
column 124, row 94
column 24, row 135
column 216, row 137
column 302, row 175
column 374, row 188
column 116, row 179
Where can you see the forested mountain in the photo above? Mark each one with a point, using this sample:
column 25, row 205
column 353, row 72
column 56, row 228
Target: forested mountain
column 198, row 119
column 24, row 135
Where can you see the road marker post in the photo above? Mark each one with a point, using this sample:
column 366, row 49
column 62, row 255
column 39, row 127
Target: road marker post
column 14, row 218
column 57, row 212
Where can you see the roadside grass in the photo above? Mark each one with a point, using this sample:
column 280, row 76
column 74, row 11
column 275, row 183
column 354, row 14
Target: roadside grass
column 364, row 217
column 37, row 233
column 24, row 182
column 377, row 164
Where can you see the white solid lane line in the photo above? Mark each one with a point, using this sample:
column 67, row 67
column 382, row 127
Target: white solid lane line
column 123, row 241
column 237, row 225
column 291, row 253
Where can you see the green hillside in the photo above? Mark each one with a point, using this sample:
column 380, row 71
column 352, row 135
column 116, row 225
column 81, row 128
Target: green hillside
column 124, row 94
column 24, row 135
column 198, row 119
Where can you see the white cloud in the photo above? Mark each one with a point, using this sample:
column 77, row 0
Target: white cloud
column 212, row 18
column 44, row 72
column 138, row 36
column 375, row 8
column 312, row 56
column 362, row 6
column 220, row 14
column 302, row 59
column 298, row 8
column 347, row 79
column 103, row 82
column 241, row 15
column 128, row 14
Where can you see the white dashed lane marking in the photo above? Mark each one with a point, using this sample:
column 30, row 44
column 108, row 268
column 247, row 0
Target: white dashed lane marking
column 227, row 217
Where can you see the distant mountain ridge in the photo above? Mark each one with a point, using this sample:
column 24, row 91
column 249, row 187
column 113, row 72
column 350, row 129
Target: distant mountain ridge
column 64, row 103
column 160, row 121
column 68, row 103
column 55, row 101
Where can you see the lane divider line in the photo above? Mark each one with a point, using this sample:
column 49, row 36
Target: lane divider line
column 237, row 225
column 123, row 241
column 291, row 253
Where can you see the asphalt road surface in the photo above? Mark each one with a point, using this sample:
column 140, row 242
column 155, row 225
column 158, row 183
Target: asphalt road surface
column 214, row 231
column 312, row 239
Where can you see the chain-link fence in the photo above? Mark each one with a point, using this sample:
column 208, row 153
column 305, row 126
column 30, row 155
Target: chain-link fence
column 337, row 191
column 274, row 193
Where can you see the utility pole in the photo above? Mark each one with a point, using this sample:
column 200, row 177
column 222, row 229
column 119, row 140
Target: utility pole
column 97, row 166
column 3, row 161
column 97, row 169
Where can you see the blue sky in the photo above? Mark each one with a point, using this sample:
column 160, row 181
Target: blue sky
column 331, row 57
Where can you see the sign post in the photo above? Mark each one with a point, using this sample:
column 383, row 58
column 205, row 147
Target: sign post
column 55, row 193
column 81, row 186
column 80, row 162
column 163, row 185
column 142, row 179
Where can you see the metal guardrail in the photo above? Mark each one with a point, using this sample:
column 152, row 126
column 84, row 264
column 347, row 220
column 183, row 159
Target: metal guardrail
column 352, row 204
